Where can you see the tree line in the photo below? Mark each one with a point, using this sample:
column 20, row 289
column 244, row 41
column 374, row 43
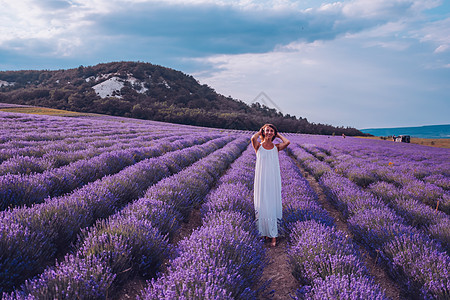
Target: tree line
column 169, row 96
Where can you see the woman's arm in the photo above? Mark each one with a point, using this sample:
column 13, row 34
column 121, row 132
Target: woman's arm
column 284, row 144
column 254, row 140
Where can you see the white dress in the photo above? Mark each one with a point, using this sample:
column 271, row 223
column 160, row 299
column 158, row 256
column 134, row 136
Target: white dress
column 267, row 191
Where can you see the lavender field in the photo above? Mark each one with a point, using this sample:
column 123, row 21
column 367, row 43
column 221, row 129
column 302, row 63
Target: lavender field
column 89, row 205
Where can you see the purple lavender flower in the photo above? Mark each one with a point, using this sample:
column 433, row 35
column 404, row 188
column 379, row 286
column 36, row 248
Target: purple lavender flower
column 113, row 249
column 200, row 281
column 74, row 278
column 148, row 247
column 426, row 266
column 346, row 287
column 216, row 260
column 374, row 227
column 316, row 250
column 162, row 215
column 222, row 199
column 22, row 252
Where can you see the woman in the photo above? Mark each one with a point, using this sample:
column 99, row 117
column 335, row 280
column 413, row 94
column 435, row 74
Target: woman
column 267, row 185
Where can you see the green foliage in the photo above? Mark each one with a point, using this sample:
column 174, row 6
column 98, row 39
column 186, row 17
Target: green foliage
column 169, row 96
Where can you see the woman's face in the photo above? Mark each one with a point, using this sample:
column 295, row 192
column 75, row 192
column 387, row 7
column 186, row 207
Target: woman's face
column 269, row 133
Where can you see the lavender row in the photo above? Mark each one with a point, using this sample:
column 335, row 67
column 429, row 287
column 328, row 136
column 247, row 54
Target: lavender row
column 422, row 161
column 17, row 190
column 415, row 213
column 20, row 164
column 300, row 202
column 364, row 173
column 328, row 265
column 25, row 127
column 316, row 167
column 410, row 255
column 220, row 260
column 129, row 242
column 92, row 139
column 49, row 129
column 419, row 262
column 69, row 142
column 224, row 258
column 46, row 131
column 55, row 151
column 323, row 259
column 419, row 174
column 418, row 161
column 93, row 134
column 31, row 237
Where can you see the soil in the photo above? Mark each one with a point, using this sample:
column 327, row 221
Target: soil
column 281, row 282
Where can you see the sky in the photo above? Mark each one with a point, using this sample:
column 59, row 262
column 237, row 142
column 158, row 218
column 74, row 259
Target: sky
column 356, row 63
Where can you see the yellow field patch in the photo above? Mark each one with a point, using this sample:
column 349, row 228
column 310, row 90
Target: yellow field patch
column 41, row 111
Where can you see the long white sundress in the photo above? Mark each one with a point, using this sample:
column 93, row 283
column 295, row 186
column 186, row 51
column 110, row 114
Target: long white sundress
column 267, row 191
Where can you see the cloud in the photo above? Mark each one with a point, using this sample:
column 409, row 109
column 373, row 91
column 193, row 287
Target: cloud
column 193, row 27
column 437, row 33
column 442, row 48
column 340, row 82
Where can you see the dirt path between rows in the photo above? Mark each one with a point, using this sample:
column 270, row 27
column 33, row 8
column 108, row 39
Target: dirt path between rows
column 281, row 282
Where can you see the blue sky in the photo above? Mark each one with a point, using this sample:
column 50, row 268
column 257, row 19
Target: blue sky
column 358, row 63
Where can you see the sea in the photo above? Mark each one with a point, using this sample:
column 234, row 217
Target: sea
column 427, row 132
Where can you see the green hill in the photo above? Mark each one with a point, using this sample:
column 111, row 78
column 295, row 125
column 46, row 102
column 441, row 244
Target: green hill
column 146, row 91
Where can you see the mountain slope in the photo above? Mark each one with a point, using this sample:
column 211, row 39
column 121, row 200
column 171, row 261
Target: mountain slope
column 146, row 91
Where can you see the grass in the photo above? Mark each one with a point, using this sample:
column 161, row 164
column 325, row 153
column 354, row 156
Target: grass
column 439, row 143
column 41, row 111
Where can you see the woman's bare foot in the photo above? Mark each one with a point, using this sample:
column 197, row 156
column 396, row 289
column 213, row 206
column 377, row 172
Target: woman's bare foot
column 274, row 242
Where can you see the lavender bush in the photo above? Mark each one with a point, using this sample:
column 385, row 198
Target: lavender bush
column 320, row 255
column 377, row 226
column 148, row 247
column 318, row 251
column 61, row 219
column 131, row 242
column 21, row 189
column 74, row 278
column 422, row 261
column 217, row 259
column 345, row 287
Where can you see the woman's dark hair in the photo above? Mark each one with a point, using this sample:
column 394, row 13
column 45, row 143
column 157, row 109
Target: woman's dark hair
column 273, row 127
